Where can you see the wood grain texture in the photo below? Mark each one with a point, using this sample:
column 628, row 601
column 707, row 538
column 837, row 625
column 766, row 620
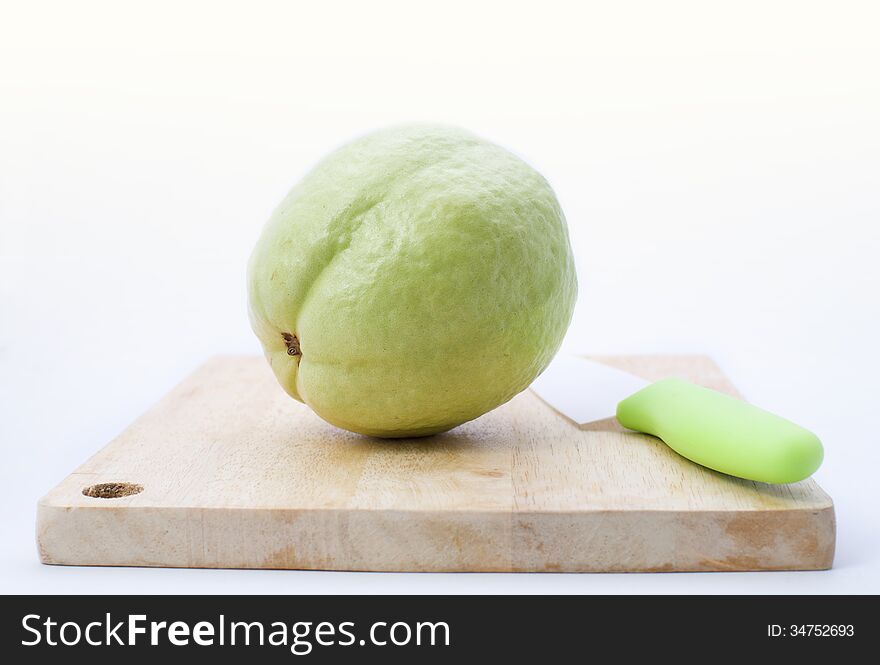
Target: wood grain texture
column 235, row 474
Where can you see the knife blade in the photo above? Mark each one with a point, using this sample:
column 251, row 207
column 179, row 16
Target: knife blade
column 707, row 427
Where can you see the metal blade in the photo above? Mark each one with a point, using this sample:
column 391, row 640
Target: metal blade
column 584, row 390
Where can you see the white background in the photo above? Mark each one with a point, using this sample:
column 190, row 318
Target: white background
column 719, row 165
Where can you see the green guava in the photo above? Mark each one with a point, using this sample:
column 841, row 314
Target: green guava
column 413, row 280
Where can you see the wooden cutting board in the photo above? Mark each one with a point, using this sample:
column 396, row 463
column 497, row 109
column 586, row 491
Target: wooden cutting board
column 228, row 472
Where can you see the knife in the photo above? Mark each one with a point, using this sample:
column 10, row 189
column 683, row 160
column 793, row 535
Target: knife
column 707, row 427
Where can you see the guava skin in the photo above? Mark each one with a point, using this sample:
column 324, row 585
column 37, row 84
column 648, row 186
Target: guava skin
column 413, row 280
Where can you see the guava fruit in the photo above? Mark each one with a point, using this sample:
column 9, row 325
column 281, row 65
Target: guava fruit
column 415, row 279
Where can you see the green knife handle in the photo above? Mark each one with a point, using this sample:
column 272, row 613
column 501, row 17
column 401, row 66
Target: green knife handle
column 722, row 433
